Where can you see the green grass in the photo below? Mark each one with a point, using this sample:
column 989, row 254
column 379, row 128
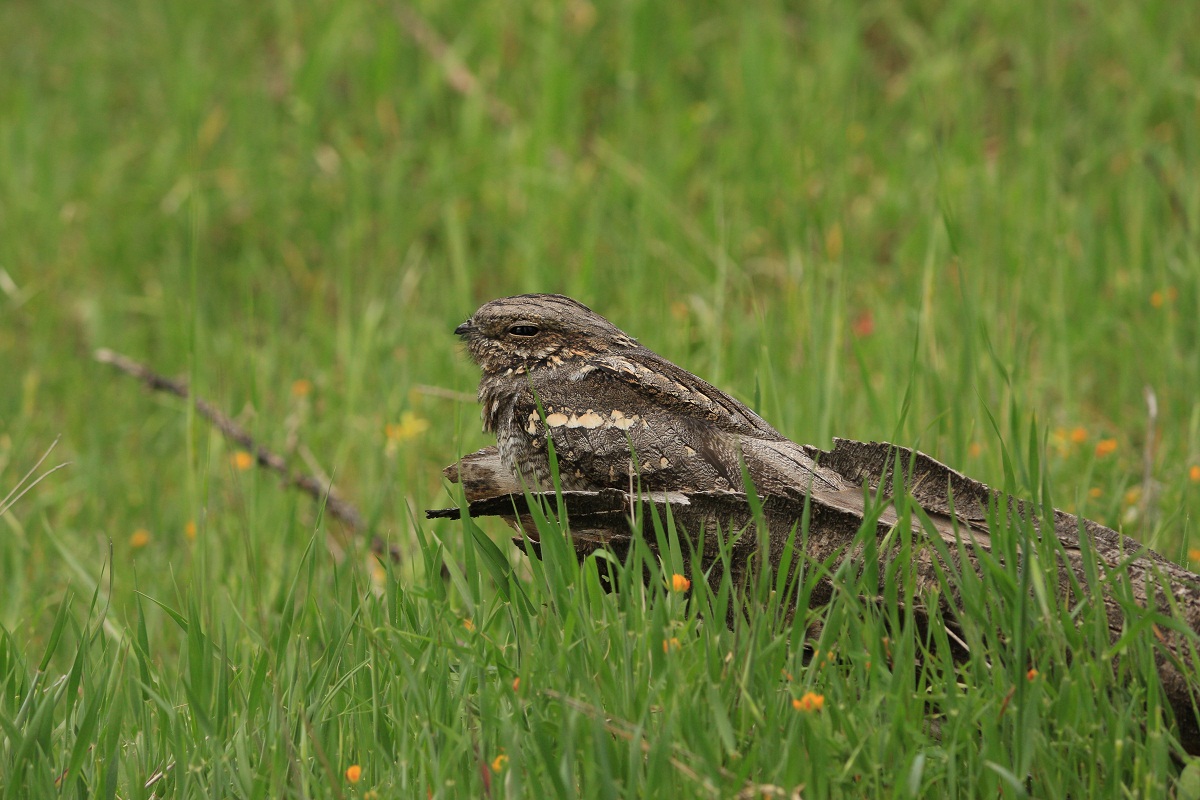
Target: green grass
column 977, row 207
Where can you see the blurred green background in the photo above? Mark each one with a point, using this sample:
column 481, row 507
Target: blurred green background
column 990, row 208
column 809, row 202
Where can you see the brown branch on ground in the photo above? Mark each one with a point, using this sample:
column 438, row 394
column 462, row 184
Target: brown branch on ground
column 320, row 490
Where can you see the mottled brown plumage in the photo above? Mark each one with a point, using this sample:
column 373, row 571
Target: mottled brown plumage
column 615, row 410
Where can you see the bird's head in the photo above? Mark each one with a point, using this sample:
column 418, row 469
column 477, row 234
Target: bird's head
column 530, row 330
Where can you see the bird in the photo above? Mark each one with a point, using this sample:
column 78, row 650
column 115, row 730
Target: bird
column 619, row 415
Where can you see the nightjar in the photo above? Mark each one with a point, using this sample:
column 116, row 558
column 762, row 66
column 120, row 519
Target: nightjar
column 619, row 414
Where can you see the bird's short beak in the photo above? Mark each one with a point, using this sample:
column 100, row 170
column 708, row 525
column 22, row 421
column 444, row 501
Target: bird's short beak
column 464, row 329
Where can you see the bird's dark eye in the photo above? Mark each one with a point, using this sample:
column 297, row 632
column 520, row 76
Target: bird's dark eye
column 524, row 330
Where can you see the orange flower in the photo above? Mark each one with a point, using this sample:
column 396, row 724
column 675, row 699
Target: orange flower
column 1106, row 447
column 1078, row 435
column 974, row 449
column 139, row 539
column 516, row 684
column 242, row 460
column 189, row 530
column 809, row 702
column 301, row 388
column 1194, row 554
column 1159, row 298
column 670, row 644
column 499, row 763
column 1031, row 675
column 1095, row 492
column 468, row 624
column 680, row 583
column 353, row 773
column 1194, row 473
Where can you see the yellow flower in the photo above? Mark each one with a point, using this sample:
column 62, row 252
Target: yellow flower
column 409, row 427
column 670, row 644
column 301, row 388
column 468, row 624
column 353, row 773
column 139, row 539
column 1194, row 473
column 499, row 763
column 809, row 702
column 1133, row 495
column 1106, row 447
column 834, row 242
column 1095, row 492
column 189, row 530
column 680, row 583
column 242, row 460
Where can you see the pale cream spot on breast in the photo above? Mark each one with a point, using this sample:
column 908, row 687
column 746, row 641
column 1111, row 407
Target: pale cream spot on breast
column 573, row 422
column 555, row 420
column 664, row 462
column 623, row 422
column 591, row 420
column 689, row 450
column 531, row 428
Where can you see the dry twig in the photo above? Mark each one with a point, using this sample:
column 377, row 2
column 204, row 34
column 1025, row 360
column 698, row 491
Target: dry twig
column 319, row 490
column 461, row 79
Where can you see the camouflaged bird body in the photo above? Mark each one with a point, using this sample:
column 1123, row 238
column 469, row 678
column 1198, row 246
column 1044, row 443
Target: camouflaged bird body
column 619, row 414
